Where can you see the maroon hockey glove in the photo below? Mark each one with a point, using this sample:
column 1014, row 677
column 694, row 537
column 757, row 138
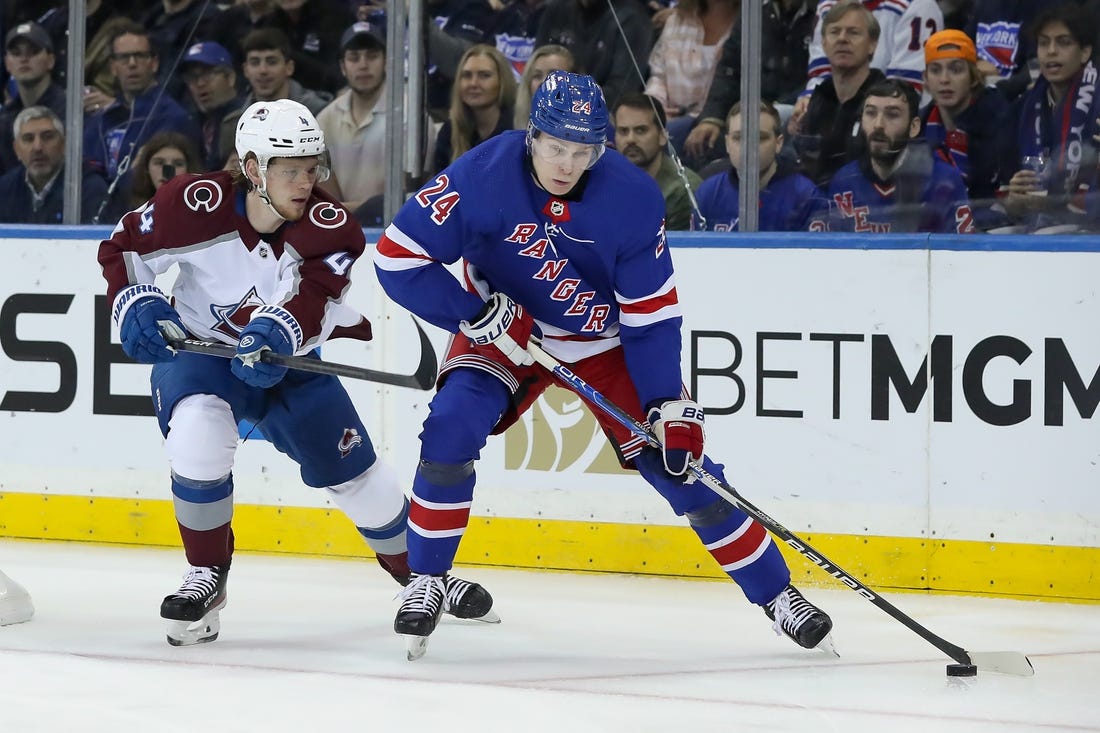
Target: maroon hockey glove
column 501, row 326
column 678, row 424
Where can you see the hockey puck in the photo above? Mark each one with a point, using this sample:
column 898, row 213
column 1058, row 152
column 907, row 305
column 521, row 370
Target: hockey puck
column 962, row 670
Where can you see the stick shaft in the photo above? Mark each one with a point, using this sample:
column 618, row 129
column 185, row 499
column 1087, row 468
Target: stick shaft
column 724, row 490
column 419, row 380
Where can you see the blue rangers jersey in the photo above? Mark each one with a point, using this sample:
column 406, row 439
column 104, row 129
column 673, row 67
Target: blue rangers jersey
column 936, row 200
column 790, row 202
column 593, row 268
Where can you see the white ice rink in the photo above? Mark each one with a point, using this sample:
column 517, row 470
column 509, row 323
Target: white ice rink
column 307, row 645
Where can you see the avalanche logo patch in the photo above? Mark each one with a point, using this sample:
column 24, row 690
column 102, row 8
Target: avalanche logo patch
column 328, row 216
column 204, row 195
column 351, row 440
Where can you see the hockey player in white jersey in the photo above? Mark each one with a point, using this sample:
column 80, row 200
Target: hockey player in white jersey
column 264, row 261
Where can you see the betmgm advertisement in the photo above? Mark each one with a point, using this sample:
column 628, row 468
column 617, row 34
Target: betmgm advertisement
column 924, row 413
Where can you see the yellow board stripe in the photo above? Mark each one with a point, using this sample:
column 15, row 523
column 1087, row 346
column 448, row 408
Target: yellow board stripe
column 898, row 563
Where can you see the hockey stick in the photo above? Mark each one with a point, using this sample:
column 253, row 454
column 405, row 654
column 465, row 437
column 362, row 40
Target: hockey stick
column 422, row 378
column 1004, row 662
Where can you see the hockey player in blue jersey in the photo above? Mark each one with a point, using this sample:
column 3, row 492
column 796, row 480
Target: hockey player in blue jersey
column 789, row 201
column 561, row 238
column 897, row 184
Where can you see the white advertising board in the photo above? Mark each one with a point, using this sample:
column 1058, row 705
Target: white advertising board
column 808, row 360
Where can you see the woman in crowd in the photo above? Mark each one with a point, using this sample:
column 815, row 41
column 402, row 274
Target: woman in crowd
column 481, row 104
column 164, row 156
column 544, row 59
column 682, row 62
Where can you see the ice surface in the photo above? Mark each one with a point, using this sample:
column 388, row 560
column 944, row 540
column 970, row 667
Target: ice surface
column 307, row 645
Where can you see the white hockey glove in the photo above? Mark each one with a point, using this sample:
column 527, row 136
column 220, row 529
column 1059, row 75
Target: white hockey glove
column 502, row 326
column 678, row 424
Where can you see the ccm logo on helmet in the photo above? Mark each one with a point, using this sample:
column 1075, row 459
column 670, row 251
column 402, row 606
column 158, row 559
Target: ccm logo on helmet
column 310, row 139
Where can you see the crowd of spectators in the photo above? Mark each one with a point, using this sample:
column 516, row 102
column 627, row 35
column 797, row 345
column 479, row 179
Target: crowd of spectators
column 903, row 116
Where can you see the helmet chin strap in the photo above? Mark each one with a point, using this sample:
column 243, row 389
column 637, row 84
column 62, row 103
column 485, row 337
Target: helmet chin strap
column 261, row 189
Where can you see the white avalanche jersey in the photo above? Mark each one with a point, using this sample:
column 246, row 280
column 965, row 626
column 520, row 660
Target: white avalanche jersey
column 228, row 273
column 905, row 25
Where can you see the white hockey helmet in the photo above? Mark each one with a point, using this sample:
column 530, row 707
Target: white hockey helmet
column 281, row 128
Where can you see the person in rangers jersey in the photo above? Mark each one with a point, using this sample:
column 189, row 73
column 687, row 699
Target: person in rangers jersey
column 557, row 237
column 905, row 26
column 897, row 184
column 264, row 262
column 789, row 201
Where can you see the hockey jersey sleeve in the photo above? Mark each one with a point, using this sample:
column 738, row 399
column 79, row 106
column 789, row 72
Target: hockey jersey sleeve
column 916, row 21
column 132, row 258
column 426, row 234
column 650, row 319
column 314, row 284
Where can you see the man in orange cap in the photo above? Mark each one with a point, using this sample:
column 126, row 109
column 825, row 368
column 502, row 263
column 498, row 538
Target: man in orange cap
column 967, row 123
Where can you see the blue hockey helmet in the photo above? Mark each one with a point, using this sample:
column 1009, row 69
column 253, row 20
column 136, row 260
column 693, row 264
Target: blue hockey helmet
column 570, row 107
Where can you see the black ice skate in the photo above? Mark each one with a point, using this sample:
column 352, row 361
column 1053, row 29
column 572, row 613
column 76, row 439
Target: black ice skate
column 422, row 604
column 801, row 621
column 467, row 600
column 192, row 611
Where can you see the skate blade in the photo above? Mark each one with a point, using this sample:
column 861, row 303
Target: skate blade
column 489, row 618
column 827, row 646
column 415, row 646
column 188, row 633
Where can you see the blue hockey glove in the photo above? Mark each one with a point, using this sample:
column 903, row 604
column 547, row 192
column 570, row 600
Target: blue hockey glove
column 144, row 327
column 502, row 326
column 260, row 335
column 678, row 424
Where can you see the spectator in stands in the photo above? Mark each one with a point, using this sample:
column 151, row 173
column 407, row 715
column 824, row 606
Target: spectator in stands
column 33, row 192
column 140, row 110
column 481, row 104
column 269, row 69
column 789, row 201
column 544, row 60
column 682, row 62
column 242, row 18
column 639, row 121
column 163, row 157
column 515, row 26
column 998, row 28
column 313, row 28
column 897, row 184
column 592, row 33
column 824, row 135
column 967, row 123
column 786, row 28
column 355, row 123
column 1057, row 122
column 904, row 26
column 454, row 26
column 207, row 70
column 173, row 26
column 29, row 58
column 100, row 16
